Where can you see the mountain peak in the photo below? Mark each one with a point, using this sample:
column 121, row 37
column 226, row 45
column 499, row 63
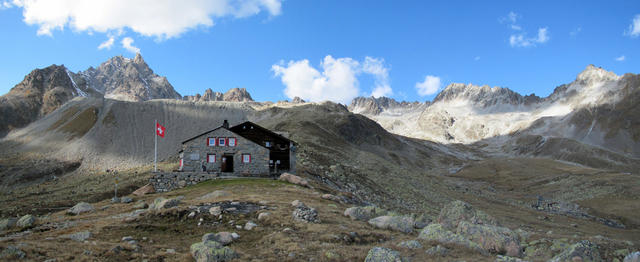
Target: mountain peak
column 594, row 74
column 480, row 95
column 138, row 59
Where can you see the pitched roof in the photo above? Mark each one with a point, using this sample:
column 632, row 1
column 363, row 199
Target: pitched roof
column 243, row 123
column 206, row 133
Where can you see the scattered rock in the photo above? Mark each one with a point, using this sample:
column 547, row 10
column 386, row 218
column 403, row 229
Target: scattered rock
column 583, row 251
column 146, row 189
column 494, row 239
column 215, row 194
column 211, row 251
column 192, row 214
column 249, row 225
column 126, row 200
column 398, row 223
column 364, row 213
column 332, row 255
column 235, row 235
column 439, row 233
column 501, row 258
column 78, row 236
column 127, row 239
column 223, row 238
column 411, row 244
column 437, row 251
column 305, row 214
column 422, row 221
column 381, row 254
column 115, row 200
column 455, row 212
column 7, row 223
column 11, row 253
column 215, row 210
column 293, row 179
column 297, row 203
column 26, row 221
column 331, row 197
column 264, row 216
column 161, row 202
column 170, row 251
column 632, row 257
column 82, row 207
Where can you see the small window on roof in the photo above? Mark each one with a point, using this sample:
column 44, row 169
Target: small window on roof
column 267, row 144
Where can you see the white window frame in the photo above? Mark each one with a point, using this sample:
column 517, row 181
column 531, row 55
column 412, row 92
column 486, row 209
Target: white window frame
column 232, row 139
column 246, row 160
column 209, row 158
column 223, row 140
column 209, row 141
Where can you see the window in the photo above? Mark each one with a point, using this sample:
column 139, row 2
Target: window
column 222, row 141
column 232, row 141
column 267, row 144
column 246, row 158
column 181, row 164
column 194, row 156
column 211, row 141
column 211, row 158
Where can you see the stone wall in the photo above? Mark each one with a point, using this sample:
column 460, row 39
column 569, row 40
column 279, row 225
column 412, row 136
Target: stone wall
column 164, row 182
column 199, row 148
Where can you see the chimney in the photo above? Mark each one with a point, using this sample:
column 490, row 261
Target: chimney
column 225, row 124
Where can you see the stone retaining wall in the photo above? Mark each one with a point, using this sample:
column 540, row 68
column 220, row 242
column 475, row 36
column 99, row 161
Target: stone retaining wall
column 167, row 181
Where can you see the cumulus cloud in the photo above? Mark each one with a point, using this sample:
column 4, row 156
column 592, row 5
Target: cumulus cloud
column 162, row 19
column 127, row 43
column 521, row 40
column 620, row 58
column 107, row 44
column 634, row 27
column 429, row 86
column 335, row 80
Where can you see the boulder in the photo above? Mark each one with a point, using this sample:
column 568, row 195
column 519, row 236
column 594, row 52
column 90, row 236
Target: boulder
column 249, row 225
column 161, row 202
column 398, row 223
column 293, row 179
column 305, row 214
column 364, row 213
column 264, row 216
column 437, row 232
column 215, row 210
column 126, row 200
column 82, row 207
column 381, row 254
column 223, row 238
column 26, row 221
column 331, row 197
column 632, row 257
column 494, row 239
column 215, row 194
column 437, row 251
column 78, row 236
column 146, row 189
column 12, row 253
column 583, row 251
column 211, row 251
column 455, row 212
column 297, row 203
column 410, row 244
column 422, row 220
column 7, row 223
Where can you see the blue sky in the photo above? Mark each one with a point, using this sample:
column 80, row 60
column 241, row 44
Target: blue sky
column 328, row 49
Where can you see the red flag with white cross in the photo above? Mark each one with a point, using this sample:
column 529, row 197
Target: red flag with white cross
column 160, row 130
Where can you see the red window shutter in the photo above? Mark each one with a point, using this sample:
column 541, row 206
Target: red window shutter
column 181, row 163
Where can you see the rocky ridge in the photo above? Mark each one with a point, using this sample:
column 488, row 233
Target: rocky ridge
column 232, row 95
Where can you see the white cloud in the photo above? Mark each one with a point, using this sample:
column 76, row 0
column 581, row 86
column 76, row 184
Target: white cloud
column 575, row 32
column 429, row 86
column 634, row 27
column 620, row 58
column 337, row 82
column 511, row 19
column 127, row 44
column 162, row 19
column 107, row 44
column 521, row 40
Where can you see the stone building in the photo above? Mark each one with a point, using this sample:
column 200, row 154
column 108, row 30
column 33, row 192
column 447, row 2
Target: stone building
column 245, row 149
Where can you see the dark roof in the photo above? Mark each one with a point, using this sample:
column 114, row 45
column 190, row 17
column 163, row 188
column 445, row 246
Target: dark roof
column 246, row 122
column 263, row 129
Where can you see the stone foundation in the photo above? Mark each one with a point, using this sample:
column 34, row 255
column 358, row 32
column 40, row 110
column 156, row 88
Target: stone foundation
column 167, row 181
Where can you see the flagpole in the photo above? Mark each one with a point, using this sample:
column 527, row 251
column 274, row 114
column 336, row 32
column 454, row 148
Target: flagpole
column 155, row 151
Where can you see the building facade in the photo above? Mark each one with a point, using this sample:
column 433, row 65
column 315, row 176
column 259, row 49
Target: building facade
column 246, row 149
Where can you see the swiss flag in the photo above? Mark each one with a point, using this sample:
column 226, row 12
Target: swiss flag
column 159, row 130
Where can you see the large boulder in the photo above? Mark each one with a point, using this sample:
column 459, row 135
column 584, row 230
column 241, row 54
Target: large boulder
column 455, row 212
column 632, row 257
column 211, row 251
column 583, row 251
column 82, row 207
column 364, row 213
column 146, row 189
column 26, row 221
column 305, row 214
column 381, row 254
column 494, row 239
column 7, row 223
column 223, row 238
column 398, row 223
column 293, row 179
column 438, row 233
column 161, row 202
